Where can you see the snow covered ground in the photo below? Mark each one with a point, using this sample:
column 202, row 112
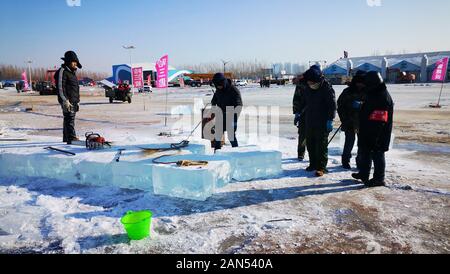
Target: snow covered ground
column 290, row 213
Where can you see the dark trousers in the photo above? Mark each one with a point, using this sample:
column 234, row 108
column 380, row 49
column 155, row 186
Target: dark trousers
column 350, row 137
column 379, row 161
column 301, row 148
column 231, row 135
column 69, row 126
column 317, row 144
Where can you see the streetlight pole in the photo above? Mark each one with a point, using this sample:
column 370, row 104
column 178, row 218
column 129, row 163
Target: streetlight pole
column 225, row 65
column 29, row 62
column 129, row 48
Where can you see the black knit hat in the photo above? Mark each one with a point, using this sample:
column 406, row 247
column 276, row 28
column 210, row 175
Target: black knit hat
column 314, row 74
column 71, row 56
column 359, row 77
column 373, row 79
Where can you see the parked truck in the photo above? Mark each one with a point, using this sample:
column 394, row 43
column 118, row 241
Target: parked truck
column 47, row 87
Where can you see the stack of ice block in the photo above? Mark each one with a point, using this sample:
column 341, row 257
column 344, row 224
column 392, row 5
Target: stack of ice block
column 136, row 170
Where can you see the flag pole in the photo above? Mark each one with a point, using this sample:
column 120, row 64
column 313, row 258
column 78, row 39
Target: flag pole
column 442, row 87
column 440, row 95
column 165, row 116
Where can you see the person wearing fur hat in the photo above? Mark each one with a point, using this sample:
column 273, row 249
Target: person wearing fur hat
column 69, row 94
column 228, row 99
column 320, row 104
column 349, row 106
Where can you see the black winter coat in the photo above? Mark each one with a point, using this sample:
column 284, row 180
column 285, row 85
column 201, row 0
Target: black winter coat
column 320, row 106
column 67, row 86
column 376, row 120
column 348, row 115
column 299, row 97
column 229, row 96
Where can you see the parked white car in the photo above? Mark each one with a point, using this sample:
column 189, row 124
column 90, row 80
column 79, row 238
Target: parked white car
column 241, row 83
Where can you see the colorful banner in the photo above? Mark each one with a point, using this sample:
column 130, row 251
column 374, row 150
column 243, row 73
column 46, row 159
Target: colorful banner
column 25, row 81
column 162, row 70
column 138, row 77
column 440, row 72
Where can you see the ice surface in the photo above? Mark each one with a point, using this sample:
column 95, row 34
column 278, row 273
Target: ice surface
column 195, row 183
column 249, row 163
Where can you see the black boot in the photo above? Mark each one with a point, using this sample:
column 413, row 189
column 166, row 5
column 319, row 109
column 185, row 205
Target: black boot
column 376, row 183
column 346, row 166
column 359, row 177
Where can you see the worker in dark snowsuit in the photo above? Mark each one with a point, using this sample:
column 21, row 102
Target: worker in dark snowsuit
column 376, row 121
column 320, row 103
column 69, row 94
column 349, row 106
column 229, row 101
column 299, row 112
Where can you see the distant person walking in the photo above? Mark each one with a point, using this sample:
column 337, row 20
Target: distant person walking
column 69, row 94
column 376, row 121
column 299, row 112
column 349, row 106
column 320, row 103
column 228, row 99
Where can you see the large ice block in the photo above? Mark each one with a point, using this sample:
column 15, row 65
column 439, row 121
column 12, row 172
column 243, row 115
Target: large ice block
column 195, row 183
column 224, row 177
column 133, row 171
column 249, row 163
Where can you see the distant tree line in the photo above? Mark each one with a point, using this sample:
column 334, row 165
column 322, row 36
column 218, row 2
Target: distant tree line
column 241, row 69
column 10, row 72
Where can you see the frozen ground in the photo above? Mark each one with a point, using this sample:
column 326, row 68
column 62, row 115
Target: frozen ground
column 290, row 213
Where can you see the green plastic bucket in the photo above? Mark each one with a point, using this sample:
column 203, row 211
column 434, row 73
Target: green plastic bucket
column 137, row 224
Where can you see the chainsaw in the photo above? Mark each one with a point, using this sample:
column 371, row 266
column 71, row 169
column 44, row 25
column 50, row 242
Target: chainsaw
column 95, row 142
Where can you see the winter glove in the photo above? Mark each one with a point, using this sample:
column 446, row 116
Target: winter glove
column 297, row 119
column 67, row 106
column 357, row 104
column 329, row 126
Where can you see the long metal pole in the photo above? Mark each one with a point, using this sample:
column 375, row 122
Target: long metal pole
column 165, row 112
column 335, row 134
column 29, row 72
column 440, row 94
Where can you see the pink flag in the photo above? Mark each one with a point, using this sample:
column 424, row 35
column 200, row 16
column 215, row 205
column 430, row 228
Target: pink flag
column 138, row 81
column 162, row 70
column 440, row 72
column 25, row 81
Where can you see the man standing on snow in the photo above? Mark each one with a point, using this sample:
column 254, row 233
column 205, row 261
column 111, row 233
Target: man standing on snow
column 69, row 94
column 349, row 106
column 376, row 121
column 320, row 112
column 299, row 112
column 228, row 99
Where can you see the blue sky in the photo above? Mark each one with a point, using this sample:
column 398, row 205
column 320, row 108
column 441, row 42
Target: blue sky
column 202, row 31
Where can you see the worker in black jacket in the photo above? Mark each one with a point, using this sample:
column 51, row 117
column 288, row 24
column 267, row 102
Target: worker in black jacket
column 320, row 103
column 229, row 102
column 376, row 121
column 349, row 106
column 299, row 112
column 69, row 94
